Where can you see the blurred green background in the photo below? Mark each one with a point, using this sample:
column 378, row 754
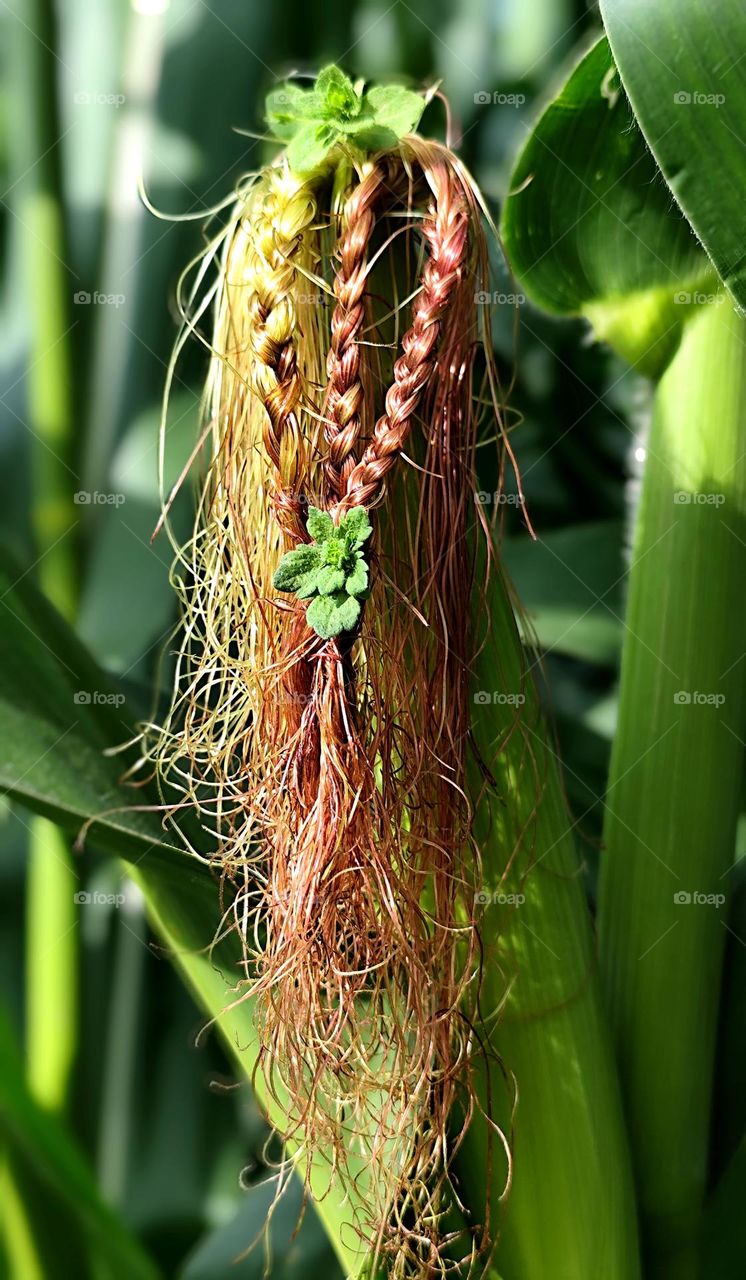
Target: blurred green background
column 164, row 89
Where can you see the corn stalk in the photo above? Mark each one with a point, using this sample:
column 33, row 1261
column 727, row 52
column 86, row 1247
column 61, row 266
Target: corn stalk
column 673, row 794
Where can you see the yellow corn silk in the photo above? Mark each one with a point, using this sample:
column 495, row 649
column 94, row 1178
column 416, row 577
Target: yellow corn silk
column 260, row 425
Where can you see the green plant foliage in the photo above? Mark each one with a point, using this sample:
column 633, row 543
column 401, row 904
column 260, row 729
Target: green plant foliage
column 44, row 1144
column 674, row 782
column 724, row 1234
column 593, row 230
column 590, row 227
column 296, row 1252
column 60, row 713
column 569, row 584
column 334, row 112
column 626, row 211
column 682, row 65
column 331, row 571
column 540, row 1000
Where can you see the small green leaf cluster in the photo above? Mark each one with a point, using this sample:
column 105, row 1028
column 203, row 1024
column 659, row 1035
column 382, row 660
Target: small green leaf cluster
column 335, row 111
column 330, row 571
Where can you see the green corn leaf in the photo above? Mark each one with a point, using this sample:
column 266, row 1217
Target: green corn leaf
column 724, row 1243
column 51, row 417
column 296, row 1253
column 570, row 586
column 60, row 713
column 682, row 65
column 590, row 227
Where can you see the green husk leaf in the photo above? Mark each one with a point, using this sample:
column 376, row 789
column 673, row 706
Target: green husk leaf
column 539, row 999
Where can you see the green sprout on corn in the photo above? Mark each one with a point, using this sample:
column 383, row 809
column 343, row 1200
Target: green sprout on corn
column 330, row 571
